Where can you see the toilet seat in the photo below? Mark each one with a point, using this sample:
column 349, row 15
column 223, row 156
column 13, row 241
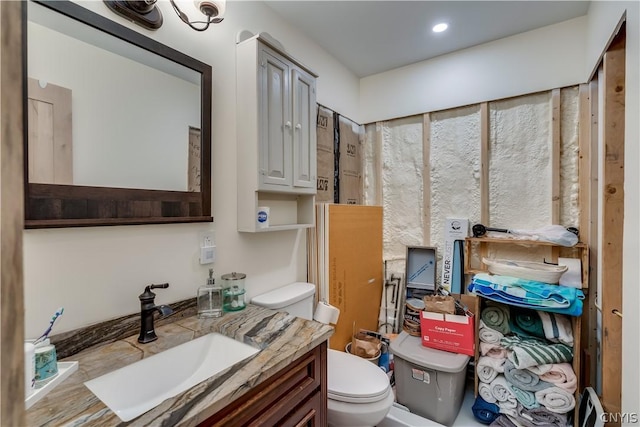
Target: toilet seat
column 352, row 379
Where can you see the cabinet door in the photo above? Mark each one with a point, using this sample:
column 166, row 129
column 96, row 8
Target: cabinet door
column 304, row 132
column 275, row 122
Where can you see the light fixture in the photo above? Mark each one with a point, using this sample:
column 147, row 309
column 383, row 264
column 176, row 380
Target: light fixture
column 146, row 14
column 438, row 28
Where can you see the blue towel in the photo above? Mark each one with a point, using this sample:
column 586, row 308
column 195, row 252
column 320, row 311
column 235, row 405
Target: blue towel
column 528, row 294
column 484, row 411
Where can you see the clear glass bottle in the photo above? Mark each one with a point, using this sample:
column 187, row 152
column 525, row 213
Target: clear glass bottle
column 209, row 298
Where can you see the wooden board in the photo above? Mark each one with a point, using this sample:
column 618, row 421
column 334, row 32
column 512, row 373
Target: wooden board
column 426, row 179
column 613, row 222
column 355, row 268
column 50, row 134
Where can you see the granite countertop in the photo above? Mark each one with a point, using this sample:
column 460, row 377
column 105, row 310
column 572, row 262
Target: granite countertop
column 281, row 337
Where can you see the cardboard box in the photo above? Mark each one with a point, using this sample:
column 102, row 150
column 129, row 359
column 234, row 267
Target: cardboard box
column 326, row 158
column 451, row 332
column 454, row 229
column 350, row 162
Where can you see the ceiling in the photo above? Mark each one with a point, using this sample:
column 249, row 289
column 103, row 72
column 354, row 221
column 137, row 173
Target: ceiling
column 370, row 37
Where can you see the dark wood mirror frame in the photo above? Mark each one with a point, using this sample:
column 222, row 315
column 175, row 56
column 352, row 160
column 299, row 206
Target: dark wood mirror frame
column 55, row 206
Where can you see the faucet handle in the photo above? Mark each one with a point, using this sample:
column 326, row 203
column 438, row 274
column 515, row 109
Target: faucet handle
column 147, row 295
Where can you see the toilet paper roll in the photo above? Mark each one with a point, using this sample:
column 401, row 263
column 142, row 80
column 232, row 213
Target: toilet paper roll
column 326, row 313
column 573, row 276
column 29, row 368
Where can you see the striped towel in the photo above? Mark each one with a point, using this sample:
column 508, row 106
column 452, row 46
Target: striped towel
column 528, row 293
column 526, row 322
column 530, row 352
column 497, row 318
column 557, row 328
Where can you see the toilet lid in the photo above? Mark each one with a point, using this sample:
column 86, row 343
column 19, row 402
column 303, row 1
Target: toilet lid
column 353, row 379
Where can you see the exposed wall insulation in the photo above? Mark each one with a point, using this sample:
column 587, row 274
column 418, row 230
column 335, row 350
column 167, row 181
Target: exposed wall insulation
column 455, row 170
column 402, row 188
column 569, row 185
column 520, row 175
column 519, row 162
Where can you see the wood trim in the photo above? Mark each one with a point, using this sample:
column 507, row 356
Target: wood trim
column 484, row 162
column 613, row 221
column 426, row 179
column 12, row 112
column 556, row 137
column 379, row 164
column 69, row 206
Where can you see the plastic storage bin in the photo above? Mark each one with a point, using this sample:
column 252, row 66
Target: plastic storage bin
column 430, row 382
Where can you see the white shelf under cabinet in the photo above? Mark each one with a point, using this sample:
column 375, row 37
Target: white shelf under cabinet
column 286, row 211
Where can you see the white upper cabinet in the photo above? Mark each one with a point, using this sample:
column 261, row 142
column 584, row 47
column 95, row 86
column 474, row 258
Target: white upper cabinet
column 276, row 130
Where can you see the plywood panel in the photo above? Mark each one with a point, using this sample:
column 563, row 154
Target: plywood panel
column 355, row 268
column 50, row 134
column 195, row 160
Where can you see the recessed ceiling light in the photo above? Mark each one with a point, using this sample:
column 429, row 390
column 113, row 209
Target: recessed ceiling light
column 438, row 28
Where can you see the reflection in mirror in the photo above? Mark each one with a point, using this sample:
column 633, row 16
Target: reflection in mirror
column 119, row 125
column 142, row 142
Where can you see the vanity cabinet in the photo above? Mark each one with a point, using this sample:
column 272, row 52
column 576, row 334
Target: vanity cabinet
column 276, row 132
column 295, row 396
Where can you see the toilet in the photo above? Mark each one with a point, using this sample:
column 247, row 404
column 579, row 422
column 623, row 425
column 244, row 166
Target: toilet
column 359, row 393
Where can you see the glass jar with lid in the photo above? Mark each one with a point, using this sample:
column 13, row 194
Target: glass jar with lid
column 233, row 291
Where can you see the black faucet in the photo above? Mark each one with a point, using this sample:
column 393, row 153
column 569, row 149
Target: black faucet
column 147, row 308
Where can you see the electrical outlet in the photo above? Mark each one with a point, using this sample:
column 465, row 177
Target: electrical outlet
column 206, row 239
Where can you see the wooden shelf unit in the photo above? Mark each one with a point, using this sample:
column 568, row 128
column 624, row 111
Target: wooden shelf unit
column 481, row 247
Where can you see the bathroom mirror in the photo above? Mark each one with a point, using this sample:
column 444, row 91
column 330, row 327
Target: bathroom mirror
column 118, row 124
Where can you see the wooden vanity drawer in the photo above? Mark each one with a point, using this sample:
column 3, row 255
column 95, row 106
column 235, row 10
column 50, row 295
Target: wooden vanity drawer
column 293, row 395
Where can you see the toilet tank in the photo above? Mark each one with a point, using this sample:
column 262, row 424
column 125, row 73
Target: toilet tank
column 295, row 298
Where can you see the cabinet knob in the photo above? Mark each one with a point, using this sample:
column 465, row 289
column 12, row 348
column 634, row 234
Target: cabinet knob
column 288, row 124
column 298, row 126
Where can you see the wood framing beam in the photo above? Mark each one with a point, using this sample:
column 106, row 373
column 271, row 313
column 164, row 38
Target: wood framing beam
column 613, row 221
column 555, row 156
column 11, row 215
column 426, row 179
column 588, row 207
column 484, row 163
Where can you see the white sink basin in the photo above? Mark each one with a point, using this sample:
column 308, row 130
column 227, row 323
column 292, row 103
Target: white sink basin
column 133, row 390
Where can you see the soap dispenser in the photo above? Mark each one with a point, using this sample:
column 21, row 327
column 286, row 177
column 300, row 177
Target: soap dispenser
column 209, row 298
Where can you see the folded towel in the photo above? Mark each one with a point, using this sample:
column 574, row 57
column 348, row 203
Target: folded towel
column 488, row 368
column 484, row 391
column 557, row 328
column 489, row 335
column 541, row 369
column 493, row 350
column 528, row 294
column 526, row 398
column 556, row 399
column 524, row 379
column 561, row 375
column 496, row 317
column 503, row 421
column 527, row 352
column 525, row 322
column 509, row 406
column 541, row 417
column 501, row 391
column 485, row 412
